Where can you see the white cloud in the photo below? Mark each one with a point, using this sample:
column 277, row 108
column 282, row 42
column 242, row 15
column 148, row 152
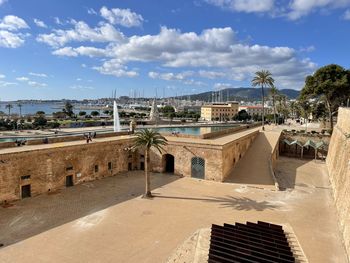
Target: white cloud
column 82, row 51
column 12, row 23
column 2, row 1
column 347, row 14
column 37, row 84
column 182, row 77
column 170, row 76
column 40, row 23
column 220, row 86
column 123, row 17
column 300, row 8
column 2, row 76
column 66, row 51
column 213, row 53
column 91, row 11
column 212, row 74
column 82, row 32
column 42, row 75
column 24, row 79
column 10, row 39
column 292, row 9
column 247, row 6
column 307, row 49
column 31, row 82
column 115, row 68
column 5, row 83
column 57, row 21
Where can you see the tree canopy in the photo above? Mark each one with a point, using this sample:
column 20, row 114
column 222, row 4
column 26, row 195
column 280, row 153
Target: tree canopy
column 331, row 84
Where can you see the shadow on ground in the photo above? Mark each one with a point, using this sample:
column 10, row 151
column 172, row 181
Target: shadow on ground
column 31, row 216
column 236, row 203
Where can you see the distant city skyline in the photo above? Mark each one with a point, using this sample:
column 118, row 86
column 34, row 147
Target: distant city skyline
column 87, row 49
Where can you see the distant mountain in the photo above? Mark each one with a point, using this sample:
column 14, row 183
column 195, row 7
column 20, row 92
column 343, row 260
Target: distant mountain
column 246, row 94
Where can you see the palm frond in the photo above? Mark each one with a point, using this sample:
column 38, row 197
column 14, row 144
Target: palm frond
column 146, row 138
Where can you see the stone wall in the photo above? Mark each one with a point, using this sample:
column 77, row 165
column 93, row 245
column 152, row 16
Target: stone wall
column 46, row 169
column 183, row 155
column 219, row 159
column 338, row 164
column 234, row 151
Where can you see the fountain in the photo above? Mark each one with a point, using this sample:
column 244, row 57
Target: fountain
column 154, row 114
column 116, row 122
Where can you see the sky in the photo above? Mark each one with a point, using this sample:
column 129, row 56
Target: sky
column 85, row 49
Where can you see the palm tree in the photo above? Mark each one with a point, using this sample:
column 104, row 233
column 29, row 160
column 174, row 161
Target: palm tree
column 263, row 78
column 147, row 139
column 273, row 94
column 19, row 105
column 9, row 107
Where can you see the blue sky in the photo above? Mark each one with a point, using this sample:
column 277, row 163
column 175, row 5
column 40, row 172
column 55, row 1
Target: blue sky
column 85, row 49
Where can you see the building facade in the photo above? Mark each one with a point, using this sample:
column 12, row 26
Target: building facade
column 219, row 111
column 255, row 110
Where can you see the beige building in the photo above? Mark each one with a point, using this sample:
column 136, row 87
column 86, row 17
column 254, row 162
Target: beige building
column 255, row 110
column 219, row 111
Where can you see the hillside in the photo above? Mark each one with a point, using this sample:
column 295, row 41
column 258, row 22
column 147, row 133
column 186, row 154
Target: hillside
column 247, row 94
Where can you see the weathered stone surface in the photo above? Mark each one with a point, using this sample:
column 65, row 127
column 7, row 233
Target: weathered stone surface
column 338, row 164
column 219, row 159
column 48, row 168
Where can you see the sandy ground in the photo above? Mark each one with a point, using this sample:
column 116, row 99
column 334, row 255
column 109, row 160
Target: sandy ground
column 107, row 221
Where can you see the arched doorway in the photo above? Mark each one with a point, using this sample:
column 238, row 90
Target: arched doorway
column 198, row 167
column 169, row 163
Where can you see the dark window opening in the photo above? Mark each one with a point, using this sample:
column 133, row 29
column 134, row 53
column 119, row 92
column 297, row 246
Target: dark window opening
column 96, row 168
column 142, row 165
column 26, row 192
column 24, row 177
column 69, row 168
column 69, row 180
column 109, row 166
column 129, row 166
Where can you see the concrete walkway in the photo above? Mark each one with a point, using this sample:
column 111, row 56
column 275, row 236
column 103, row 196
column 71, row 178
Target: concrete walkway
column 254, row 168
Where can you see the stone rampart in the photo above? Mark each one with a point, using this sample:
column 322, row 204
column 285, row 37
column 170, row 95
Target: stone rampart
column 338, row 164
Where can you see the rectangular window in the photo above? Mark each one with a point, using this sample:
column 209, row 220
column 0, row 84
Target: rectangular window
column 109, row 166
column 96, row 168
column 24, row 177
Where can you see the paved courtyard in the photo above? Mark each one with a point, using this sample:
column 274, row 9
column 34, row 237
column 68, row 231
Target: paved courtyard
column 107, row 221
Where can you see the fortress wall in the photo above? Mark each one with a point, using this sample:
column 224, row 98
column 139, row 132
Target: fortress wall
column 183, row 154
column 338, row 164
column 48, row 168
column 234, row 151
column 219, row 159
